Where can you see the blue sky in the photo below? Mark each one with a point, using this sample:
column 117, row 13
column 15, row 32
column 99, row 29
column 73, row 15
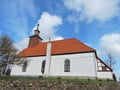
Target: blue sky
column 94, row 22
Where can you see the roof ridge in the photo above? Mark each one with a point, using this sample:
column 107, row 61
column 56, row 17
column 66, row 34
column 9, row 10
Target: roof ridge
column 58, row 40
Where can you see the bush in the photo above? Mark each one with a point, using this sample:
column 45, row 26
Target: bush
column 99, row 79
column 40, row 77
column 89, row 79
column 108, row 79
column 58, row 78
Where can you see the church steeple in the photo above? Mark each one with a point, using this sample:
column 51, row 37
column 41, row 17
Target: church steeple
column 35, row 39
column 36, row 32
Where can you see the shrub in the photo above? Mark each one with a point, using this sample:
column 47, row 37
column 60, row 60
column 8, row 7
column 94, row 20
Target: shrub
column 89, row 79
column 58, row 78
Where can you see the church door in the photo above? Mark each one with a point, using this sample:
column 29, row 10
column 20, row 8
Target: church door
column 43, row 67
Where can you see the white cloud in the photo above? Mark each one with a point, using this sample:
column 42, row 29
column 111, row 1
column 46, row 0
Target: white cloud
column 101, row 10
column 22, row 44
column 48, row 26
column 110, row 43
column 77, row 29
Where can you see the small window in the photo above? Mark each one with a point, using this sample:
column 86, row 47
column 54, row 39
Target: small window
column 67, row 65
column 104, row 68
column 24, row 66
column 43, row 67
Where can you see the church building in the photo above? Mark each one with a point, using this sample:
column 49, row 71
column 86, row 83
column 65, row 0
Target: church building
column 60, row 58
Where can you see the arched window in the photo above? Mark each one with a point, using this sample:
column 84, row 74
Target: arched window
column 43, row 67
column 8, row 72
column 24, row 66
column 67, row 65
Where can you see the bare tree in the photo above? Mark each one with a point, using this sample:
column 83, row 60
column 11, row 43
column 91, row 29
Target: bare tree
column 19, row 61
column 7, row 52
column 111, row 61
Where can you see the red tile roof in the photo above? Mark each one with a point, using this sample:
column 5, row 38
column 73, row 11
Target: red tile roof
column 58, row 47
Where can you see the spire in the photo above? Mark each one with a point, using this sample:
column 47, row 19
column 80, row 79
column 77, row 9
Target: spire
column 37, row 26
column 36, row 32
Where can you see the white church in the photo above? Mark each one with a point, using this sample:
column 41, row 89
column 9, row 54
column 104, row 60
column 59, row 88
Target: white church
column 60, row 58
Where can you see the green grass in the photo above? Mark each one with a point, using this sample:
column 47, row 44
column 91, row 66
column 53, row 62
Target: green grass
column 8, row 77
column 82, row 80
column 59, row 79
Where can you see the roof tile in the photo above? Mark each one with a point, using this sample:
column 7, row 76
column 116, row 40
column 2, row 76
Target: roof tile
column 58, row 47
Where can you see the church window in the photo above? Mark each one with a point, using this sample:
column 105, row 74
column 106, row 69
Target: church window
column 67, row 65
column 43, row 67
column 24, row 66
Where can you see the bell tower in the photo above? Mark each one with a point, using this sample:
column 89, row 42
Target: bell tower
column 35, row 39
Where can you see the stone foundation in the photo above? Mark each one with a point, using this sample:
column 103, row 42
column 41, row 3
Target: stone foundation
column 39, row 84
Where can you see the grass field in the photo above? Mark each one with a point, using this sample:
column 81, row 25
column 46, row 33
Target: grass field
column 60, row 79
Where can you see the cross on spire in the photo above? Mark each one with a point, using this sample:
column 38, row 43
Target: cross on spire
column 37, row 26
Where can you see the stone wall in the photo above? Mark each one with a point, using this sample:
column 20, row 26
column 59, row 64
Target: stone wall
column 28, row 84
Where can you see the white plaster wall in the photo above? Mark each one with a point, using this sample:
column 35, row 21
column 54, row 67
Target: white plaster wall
column 105, row 75
column 82, row 64
column 33, row 68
